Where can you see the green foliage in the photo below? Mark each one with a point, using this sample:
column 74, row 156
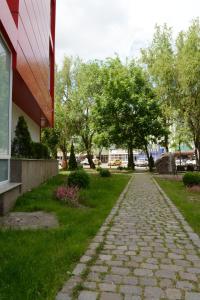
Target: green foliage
column 151, row 163
column 185, row 200
column 72, row 160
column 190, row 179
column 50, row 138
column 98, row 169
column 39, row 151
column 127, row 110
column 22, row 144
column 44, row 259
column 104, row 173
column 79, row 178
column 188, row 69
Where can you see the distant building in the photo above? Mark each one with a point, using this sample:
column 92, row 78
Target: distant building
column 27, row 51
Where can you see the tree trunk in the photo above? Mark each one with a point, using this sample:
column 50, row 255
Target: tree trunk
column 131, row 164
column 64, row 166
column 148, row 156
column 89, row 157
column 197, row 153
column 166, row 143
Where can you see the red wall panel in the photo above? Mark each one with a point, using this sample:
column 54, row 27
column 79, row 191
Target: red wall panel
column 31, row 37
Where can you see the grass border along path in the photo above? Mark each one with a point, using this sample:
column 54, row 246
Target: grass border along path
column 187, row 202
column 35, row 264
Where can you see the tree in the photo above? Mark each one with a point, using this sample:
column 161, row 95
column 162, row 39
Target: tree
column 188, row 69
column 127, row 109
column 50, row 138
column 87, row 86
column 21, row 145
column 72, row 159
column 159, row 59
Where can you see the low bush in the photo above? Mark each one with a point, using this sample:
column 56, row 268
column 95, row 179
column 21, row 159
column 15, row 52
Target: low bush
column 79, row 178
column 190, row 168
column 180, row 168
column 104, row 173
column 39, row 151
column 68, row 195
column 120, row 168
column 191, row 179
column 98, row 169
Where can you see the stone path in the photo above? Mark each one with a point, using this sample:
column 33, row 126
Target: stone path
column 145, row 250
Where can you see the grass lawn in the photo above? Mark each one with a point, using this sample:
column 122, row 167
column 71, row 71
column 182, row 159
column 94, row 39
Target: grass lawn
column 187, row 202
column 35, row 264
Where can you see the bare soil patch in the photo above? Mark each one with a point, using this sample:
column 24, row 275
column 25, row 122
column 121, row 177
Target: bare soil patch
column 29, row 220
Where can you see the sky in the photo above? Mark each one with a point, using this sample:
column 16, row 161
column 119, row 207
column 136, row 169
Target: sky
column 96, row 29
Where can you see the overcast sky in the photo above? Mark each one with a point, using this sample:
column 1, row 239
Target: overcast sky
column 100, row 28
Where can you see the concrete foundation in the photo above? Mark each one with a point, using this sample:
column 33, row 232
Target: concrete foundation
column 32, row 172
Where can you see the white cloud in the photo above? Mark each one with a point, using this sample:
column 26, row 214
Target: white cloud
column 101, row 28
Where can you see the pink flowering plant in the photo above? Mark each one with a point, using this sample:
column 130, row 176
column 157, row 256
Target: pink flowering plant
column 68, row 195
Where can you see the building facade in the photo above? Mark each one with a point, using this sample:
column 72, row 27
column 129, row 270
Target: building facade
column 27, row 56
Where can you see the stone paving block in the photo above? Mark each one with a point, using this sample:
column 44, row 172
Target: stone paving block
column 173, row 294
column 87, row 295
column 165, row 274
column 130, row 289
column 143, row 272
column 79, row 269
column 188, row 276
column 184, row 285
column 110, row 296
column 147, row 281
column 120, row 271
column 90, row 285
column 117, row 279
column 100, row 269
column 107, row 287
column 192, row 296
column 153, row 292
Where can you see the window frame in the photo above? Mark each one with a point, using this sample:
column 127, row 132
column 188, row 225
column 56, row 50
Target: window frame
column 8, row 156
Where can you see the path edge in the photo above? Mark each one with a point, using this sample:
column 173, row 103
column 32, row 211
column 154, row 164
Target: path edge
column 190, row 232
column 66, row 293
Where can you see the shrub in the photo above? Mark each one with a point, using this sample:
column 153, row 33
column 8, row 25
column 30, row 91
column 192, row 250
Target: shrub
column 190, row 168
column 98, row 169
column 21, row 144
column 190, row 179
column 72, row 160
column 79, row 178
column 104, row 173
column 39, row 151
column 120, row 168
column 180, row 168
column 68, row 195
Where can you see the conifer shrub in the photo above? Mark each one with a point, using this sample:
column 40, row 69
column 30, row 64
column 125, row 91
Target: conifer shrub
column 79, row 178
column 72, row 160
column 22, row 144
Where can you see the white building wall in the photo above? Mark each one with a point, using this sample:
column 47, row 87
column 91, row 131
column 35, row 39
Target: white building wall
column 34, row 129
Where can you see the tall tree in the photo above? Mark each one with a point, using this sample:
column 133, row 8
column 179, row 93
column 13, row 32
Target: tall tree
column 188, row 66
column 159, row 59
column 127, row 109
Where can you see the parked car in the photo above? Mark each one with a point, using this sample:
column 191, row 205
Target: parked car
column 116, row 162
column 84, row 162
column 141, row 163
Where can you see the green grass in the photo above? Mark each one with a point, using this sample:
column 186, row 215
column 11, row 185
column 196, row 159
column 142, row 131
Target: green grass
column 35, row 264
column 187, row 202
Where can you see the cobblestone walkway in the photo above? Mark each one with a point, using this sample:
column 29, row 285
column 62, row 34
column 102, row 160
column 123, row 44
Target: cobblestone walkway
column 145, row 250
